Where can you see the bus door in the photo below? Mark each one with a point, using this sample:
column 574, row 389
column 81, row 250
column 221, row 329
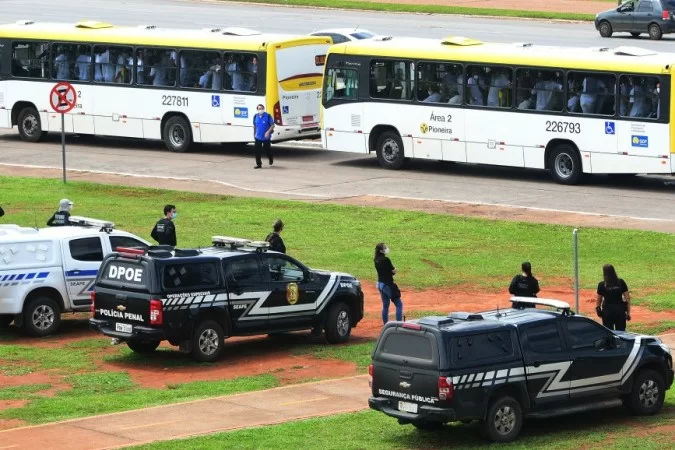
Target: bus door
column 5, row 58
column 343, row 111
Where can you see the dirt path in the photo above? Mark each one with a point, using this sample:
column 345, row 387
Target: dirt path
column 576, row 6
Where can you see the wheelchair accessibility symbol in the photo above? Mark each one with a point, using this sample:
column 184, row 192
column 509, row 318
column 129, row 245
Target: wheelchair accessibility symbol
column 215, row 101
column 609, row 128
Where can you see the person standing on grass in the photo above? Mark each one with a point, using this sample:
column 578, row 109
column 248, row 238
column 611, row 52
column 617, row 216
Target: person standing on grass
column 389, row 291
column 524, row 285
column 263, row 126
column 164, row 231
column 61, row 218
column 613, row 301
column 274, row 238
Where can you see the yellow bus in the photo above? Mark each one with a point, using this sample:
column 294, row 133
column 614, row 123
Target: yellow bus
column 180, row 86
column 567, row 110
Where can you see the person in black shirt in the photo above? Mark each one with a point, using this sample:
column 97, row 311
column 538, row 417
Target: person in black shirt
column 164, row 231
column 524, row 285
column 61, row 217
column 389, row 291
column 274, row 238
column 613, row 302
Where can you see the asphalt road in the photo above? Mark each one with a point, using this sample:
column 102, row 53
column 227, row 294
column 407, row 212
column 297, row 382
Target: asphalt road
column 313, row 173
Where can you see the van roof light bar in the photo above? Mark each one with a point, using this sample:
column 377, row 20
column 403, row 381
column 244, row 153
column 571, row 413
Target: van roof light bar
column 553, row 303
column 228, row 241
column 104, row 225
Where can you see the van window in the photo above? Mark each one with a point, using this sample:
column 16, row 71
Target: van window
column 86, row 249
column 125, row 241
column 243, row 271
column 544, row 338
column 190, row 275
column 408, row 345
column 478, row 348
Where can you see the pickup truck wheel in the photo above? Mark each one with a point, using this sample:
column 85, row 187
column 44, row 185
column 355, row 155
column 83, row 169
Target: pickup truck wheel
column 648, row 393
column 143, row 346
column 338, row 323
column 427, row 426
column 504, row 420
column 5, row 320
column 42, row 316
column 207, row 341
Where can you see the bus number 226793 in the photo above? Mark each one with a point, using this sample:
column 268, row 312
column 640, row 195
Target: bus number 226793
column 554, row 126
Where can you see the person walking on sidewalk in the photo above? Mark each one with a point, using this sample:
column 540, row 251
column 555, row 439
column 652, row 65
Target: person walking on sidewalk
column 389, row 291
column 263, row 126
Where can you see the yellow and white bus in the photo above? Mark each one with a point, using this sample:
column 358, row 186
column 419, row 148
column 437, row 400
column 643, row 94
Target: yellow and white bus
column 180, row 86
column 568, row 110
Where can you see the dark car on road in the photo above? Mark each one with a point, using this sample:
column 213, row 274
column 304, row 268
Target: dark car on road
column 499, row 367
column 654, row 17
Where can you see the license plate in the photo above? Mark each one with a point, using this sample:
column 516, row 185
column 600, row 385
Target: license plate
column 126, row 328
column 407, row 407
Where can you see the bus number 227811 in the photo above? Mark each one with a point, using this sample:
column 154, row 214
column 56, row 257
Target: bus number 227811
column 174, row 100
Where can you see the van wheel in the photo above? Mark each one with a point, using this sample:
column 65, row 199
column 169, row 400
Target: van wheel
column 177, row 134
column 648, row 393
column 423, row 425
column 565, row 164
column 143, row 346
column 504, row 420
column 338, row 323
column 605, row 29
column 6, row 320
column 42, row 316
column 655, row 32
column 207, row 341
column 29, row 124
column 390, row 150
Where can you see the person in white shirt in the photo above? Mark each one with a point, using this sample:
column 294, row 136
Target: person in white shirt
column 500, row 80
column 123, row 69
column 544, row 90
column 237, row 77
column 159, row 71
column 83, row 63
column 98, row 66
column 184, row 72
column 458, row 97
column 433, row 95
column 140, row 71
column 253, row 73
column 62, row 65
column 638, row 99
column 591, row 87
column 475, row 83
column 105, row 71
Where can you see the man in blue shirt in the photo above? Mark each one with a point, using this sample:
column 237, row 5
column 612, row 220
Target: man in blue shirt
column 263, row 126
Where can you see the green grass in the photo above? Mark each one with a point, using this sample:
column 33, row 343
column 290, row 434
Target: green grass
column 429, row 9
column 374, row 430
column 358, row 354
column 462, row 250
column 21, row 392
column 652, row 328
column 26, row 359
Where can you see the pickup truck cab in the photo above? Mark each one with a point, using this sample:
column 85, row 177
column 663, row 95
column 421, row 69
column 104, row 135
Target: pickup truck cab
column 501, row 366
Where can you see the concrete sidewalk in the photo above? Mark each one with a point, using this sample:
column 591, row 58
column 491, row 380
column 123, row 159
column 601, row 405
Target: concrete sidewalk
column 197, row 417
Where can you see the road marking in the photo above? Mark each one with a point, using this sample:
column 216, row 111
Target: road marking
column 304, row 401
column 147, row 426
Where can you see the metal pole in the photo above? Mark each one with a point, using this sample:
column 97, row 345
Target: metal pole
column 63, row 144
column 575, row 234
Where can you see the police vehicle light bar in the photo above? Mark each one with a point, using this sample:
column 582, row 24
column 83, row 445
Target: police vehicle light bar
column 130, row 250
column 89, row 222
column 559, row 304
column 259, row 244
column 231, row 241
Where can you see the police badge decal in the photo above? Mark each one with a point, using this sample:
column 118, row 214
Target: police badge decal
column 292, row 293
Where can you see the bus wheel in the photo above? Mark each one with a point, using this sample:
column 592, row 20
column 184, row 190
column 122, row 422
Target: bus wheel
column 565, row 165
column 390, row 150
column 177, row 134
column 30, row 127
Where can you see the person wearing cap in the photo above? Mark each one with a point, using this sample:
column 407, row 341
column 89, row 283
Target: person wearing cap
column 274, row 238
column 62, row 216
column 524, row 284
column 164, row 231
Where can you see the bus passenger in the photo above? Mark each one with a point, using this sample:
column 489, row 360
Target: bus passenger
column 544, row 90
column 591, row 87
column 62, row 63
column 184, row 72
column 434, row 95
column 158, row 73
column 122, row 72
column 140, row 71
column 83, row 63
column 624, row 95
column 500, row 80
column 474, row 84
column 638, row 99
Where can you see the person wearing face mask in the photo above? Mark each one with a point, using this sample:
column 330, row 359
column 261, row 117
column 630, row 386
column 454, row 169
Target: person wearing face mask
column 164, row 231
column 434, row 96
column 389, row 291
column 61, row 217
column 263, row 126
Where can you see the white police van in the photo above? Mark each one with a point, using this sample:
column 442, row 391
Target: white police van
column 47, row 271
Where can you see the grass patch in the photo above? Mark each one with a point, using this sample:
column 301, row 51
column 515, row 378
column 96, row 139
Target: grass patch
column 429, row 9
column 100, row 393
column 165, row 357
column 89, row 344
column 654, row 328
column 359, row 354
column 374, row 430
column 22, row 392
column 23, row 359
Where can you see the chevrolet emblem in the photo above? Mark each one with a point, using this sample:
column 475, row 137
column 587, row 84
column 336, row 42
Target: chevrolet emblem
column 404, row 384
column 121, row 308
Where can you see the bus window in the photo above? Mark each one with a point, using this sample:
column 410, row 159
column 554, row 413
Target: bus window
column 113, row 64
column 391, row 80
column 241, row 72
column 591, row 93
column 541, row 90
column 30, row 59
column 71, row 62
column 341, row 84
column 489, row 86
column 156, row 67
column 639, row 96
column 439, row 83
column 204, row 70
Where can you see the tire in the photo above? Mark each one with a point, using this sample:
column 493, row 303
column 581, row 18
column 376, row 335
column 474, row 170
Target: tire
column 648, row 393
column 605, row 29
column 655, row 32
column 427, row 426
column 207, row 341
column 143, row 346
column 504, row 420
column 177, row 134
column 30, row 125
column 389, row 150
column 565, row 165
column 635, row 34
column 338, row 323
column 41, row 316
column 5, row 321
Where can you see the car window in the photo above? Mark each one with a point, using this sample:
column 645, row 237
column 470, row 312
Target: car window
column 190, row 275
column 408, row 345
column 243, row 271
column 479, row 348
column 583, row 333
column 544, row 338
column 645, row 6
column 362, row 35
column 338, row 38
column 668, row 5
column 86, row 249
column 125, row 241
column 283, row 270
